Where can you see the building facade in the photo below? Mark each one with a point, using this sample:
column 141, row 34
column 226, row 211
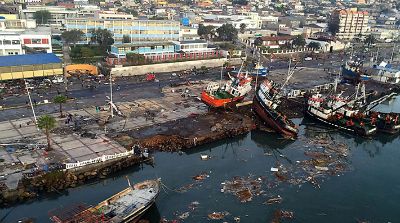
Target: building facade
column 136, row 30
column 58, row 14
column 352, row 23
column 22, row 42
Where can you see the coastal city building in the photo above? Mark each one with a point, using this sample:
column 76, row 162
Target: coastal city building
column 136, row 30
column 352, row 23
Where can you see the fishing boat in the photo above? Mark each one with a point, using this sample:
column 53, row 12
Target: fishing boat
column 340, row 113
column 352, row 72
column 126, row 206
column 234, row 90
column 265, row 104
column 386, row 122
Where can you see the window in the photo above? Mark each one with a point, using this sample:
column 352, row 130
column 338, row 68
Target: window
column 45, row 41
column 27, row 41
column 16, row 53
column 10, row 53
column 152, row 47
column 7, row 42
column 36, row 41
column 15, row 42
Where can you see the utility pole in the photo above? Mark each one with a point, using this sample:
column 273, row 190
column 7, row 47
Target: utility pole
column 30, row 101
column 391, row 57
column 111, row 97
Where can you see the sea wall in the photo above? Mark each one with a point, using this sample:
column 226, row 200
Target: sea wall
column 169, row 67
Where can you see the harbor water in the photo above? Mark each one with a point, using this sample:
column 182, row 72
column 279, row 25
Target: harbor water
column 369, row 189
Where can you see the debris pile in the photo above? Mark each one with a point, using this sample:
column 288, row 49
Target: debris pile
column 243, row 188
column 218, row 215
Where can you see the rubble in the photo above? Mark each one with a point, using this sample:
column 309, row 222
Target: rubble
column 274, row 200
column 243, row 188
column 218, row 215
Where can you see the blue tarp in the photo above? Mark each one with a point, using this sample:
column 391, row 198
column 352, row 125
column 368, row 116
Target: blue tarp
column 28, row 59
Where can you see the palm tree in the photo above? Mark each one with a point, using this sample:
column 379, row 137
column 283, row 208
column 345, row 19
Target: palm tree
column 47, row 123
column 60, row 99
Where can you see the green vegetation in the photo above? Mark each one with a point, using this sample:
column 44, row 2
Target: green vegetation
column 47, row 123
column 227, row 32
column 299, row 41
column 72, row 36
column 370, row 40
column 103, row 37
column 314, row 45
column 42, row 16
column 206, row 32
column 242, row 28
column 258, row 41
column 134, row 59
column 126, row 39
column 60, row 99
column 87, row 53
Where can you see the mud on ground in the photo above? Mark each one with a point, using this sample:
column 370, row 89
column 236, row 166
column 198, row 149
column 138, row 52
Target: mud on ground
column 189, row 132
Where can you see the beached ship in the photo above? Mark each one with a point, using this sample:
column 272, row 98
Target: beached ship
column 340, row 113
column 386, row 122
column 126, row 206
column 352, row 72
column 265, row 104
column 234, row 90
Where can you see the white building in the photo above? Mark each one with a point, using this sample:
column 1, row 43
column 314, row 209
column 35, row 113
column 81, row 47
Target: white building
column 111, row 15
column 58, row 14
column 20, row 42
column 352, row 23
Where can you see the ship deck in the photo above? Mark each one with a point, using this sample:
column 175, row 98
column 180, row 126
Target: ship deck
column 128, row 203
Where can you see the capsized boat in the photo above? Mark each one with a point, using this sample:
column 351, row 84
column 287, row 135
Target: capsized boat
column 234, row 90
column 337, row 112
column 125, row 206
column 265, row 103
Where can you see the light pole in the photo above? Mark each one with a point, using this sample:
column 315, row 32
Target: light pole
column 30, row 100
column 111, row 97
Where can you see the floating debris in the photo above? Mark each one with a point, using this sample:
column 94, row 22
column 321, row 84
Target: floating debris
column 217, row 215
column 281, row 214
column 274, row 200
column 243, row 188
column 184, row 215
column 201, row 177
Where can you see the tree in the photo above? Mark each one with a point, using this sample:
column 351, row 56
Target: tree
column 87, row 53
column 126, row 39
column 103, row 37
column 72, row 36
column 240, row 2
column 60, row 99
column 47, row 123
column 299, row 41
column 258, row 41
column 227, row 32
column 242, row 27
column 333, row 24
column 42, row 16
column 314, row 45
column 205, row 31
column 135, row 59
column 370, row 40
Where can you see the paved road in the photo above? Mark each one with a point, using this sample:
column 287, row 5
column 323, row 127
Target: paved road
column 127, row 89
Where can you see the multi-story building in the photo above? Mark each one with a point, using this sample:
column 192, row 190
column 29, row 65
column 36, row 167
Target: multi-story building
column 21, row 42
column 136, row 30
column 17, row 24
column 58, row 14
column 352, row 23
column 112, row 15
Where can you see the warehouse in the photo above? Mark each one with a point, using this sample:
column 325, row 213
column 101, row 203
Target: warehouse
column 29, row 66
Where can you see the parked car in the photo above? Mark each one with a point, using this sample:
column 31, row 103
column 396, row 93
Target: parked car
column 307, row 58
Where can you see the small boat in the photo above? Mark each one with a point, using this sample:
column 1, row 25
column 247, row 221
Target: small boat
column 338, row 113
column 265, row 103
column 126, row 206
column 234, row 90
column 352, row 72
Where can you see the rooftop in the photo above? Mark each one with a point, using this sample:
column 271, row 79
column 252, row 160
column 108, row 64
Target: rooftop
column 28, row 59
